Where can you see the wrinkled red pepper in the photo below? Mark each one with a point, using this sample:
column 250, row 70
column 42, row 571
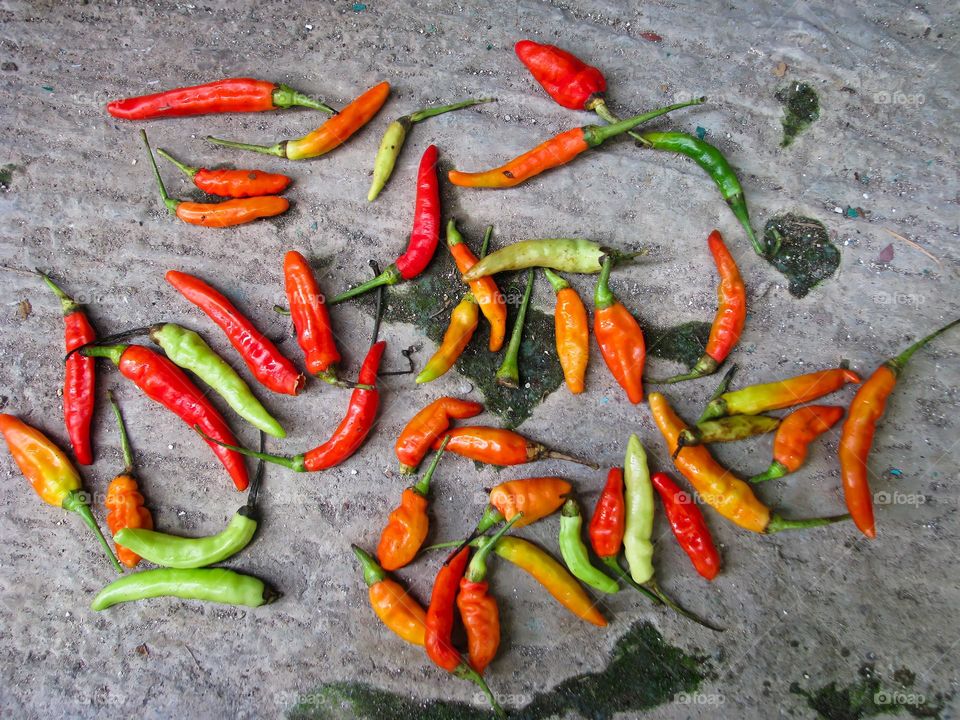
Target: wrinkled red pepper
column 688, row 526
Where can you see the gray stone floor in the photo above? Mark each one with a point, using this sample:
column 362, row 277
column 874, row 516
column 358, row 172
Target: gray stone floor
column 79, row 202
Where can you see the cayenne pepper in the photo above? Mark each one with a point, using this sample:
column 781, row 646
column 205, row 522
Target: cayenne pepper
column 562, row 254
column 619, row 336
column 793, row 438
column 727, row 429
column 498, row 446
column 308, row 310
column 79, row 376
column 508, row 374
column 534, row 498
column 463, row 323
column 266, row 362
column 485, row 291
column 426, row 426
column 231, row 183
column 688, row 526
column 391, row 601
column 574, row 552
column 572, row 332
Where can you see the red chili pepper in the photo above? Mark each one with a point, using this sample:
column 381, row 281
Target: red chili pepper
column 688, row 525
column 79, row 377
column 609, row 519
column 231, row 183
column 566, row 78
column 265, row 361
column 427, row 425
column 165, row 383
column 308, row 309
column 423, row 239
column 220, row 96
column 793, row 438
column 499, row 446
column 619, row 336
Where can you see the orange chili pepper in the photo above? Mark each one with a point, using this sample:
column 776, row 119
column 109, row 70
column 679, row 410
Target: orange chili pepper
column 427, row 425
column 730, row 318
column 571, row 328
column 407, row 526
column 125, row 504
column 793, row 438
column 619, row 336
column 535, row 498
column 498, row 446
column 718, row 487
column 463, row 323
column 333, row 133
column 391, row 602
column 485, row 291
column 231, row 183
column 776, row 395
column 857, row 437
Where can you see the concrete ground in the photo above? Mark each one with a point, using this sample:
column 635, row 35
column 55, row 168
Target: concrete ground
column 801, row 611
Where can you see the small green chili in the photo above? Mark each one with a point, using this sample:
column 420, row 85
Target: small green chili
column 726, row 429
column 508, row 374
column 217, row 585
column 574, row 551
column 561, row 254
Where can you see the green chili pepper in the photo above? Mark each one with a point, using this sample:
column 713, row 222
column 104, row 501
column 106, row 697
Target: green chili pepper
column 477, row 569
column 509, row 373
column 562, row 254
column 726, row 429
column 396, row 135
column 712, row 160
column 638, row 493
column 217, row 585
column 574, row 551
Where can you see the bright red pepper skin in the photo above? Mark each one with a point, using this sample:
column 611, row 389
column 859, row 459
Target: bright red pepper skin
column 240, row 183
column 356, row 425
column 609, row 517
column 266, row 362
column 308, row 310
column 688, row 526
column 79, row 383
column 566, row 78
column 426, row 219
column 481, row 619
column 438, row 641
column 426, row 426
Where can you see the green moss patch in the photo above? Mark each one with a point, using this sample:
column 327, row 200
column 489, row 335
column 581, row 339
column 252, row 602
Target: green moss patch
column 801, row 106
column 800, row 248
column 868, row 698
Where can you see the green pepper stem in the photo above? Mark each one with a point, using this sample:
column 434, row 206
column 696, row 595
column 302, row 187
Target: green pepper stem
column 423, row 484
column 724, row 382
column 778, row 524
column 485, row 245
column 738, row 205
column 390, row 276
column 706, row 365
column 899, row 362
column 655, row 589
column 491, row 516
column 555, row 280
column 167, row 200
column 429, row 112
column 477, row 569
column 454, row 237
column 187, row 170
column 466, row 672
column 124, row 438
column 295, row 462
column 253, row 492
column 285, row 96
column 75, row 502
column 111, row 352
column 776, row 470
column 599, row 106
column 372, row 572
column 594, row 135
column 280, row 149
column 611, row 562
column 67, row 303
column 509, row 373
column 603, row 296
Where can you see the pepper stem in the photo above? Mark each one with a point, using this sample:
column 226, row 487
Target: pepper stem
column 372, row 572
column 441, row 109
column 738, row 205
column 111, row 352
column 611, row 562
column 280, row 149
column 67, row 303
column 594, row 135
column 477, row 569
column 706, row 365
column 599, row 106
column 285, row 96
column 124, row 438
column 778, row 524
column 295, row 462
column 466, row 672
column 603, row 297
column 897, row 364
column 423, row 484
column 556, row 455
column 75, row 502
column 509, row 373
column 655, row 589
column 454, row 237
column 390, row 276
column 187, row 170
column 776, row 470
column 485, row 245
column 167, row 200
column 555, row 280
column 253, row 493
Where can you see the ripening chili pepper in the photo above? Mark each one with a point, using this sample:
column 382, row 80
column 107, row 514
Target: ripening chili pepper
column 408, row 524
column 332, row 134
column 721, row 489
column 437, row 639
column 730, row 318
column 865, row 412
column 308, row 310
column 463, row 323
column 217, row 585
column 726, row 429
column 165, row 383
column 231, row 183
column 219, row 96
column 396, row 135
column 619, row 336
column 485, row 291
column 427, row 425
column 556, row 151
column 688, row 526
column 712, row 160
column 391, row 601
column 534, row 498
column 79, row 376
column 498, row 446
column 125, row 504
column 572, row 332
column 350, row 433
column 793, row 438
column 223, row 214
column 50, row 473
column 781, row 394
column 562, row 254
column 266, row 362
column 574, row 552
column 508, row 374
column 423, row 239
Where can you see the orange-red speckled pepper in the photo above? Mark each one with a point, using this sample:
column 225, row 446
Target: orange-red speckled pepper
column 427, row 425
column 572, row 331
column 619, row 336
column 793, row 438
column 391, row 602
column 485, row 291
column 498, row 446
column 231, row 183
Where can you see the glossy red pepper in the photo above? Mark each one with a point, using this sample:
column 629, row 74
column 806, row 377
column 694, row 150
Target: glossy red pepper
column 79, row 377
column 308, row 310
column 609, row 518
column 688, row 526
column 566, row 78
column 426, row 426
column 265, row 361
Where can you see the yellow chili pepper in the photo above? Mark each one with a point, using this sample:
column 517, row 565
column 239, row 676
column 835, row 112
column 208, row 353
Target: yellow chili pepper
column 463, row 323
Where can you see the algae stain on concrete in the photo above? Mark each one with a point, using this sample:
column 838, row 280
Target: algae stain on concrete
column 643, row 672
column 868, row 698
column 681, row 343
column 800, row 248
column 6, row 176
column 801, row 107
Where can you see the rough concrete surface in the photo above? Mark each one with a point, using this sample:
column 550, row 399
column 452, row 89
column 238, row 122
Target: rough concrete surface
column 802, row 611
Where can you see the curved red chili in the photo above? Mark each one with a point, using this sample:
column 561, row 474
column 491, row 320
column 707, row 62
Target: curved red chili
column 688, row 526
column 308, row 309
column 265, row 361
